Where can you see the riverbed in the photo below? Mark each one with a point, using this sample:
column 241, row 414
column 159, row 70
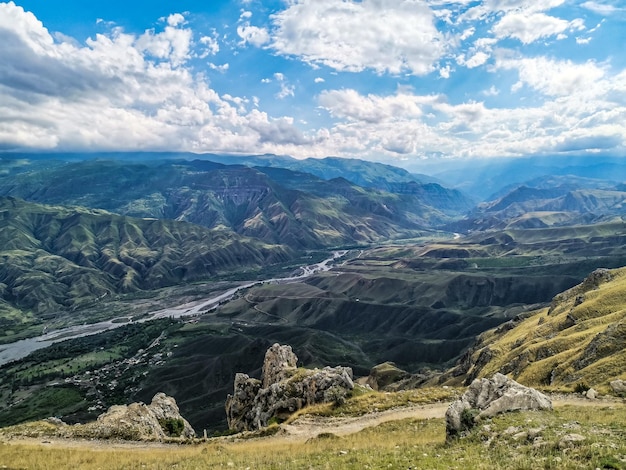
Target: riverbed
column 22, row 348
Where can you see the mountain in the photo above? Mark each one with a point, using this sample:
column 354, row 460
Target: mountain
column 359, row 172
column 482, row 178
column 278, row 206
column 63, row 258
column 579, row 339
column 547, row 201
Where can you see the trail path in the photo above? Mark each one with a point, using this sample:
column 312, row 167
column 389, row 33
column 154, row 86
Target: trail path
column 308, row 427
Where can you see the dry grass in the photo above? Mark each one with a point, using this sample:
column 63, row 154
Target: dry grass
column 581, row 339
column 400, row 444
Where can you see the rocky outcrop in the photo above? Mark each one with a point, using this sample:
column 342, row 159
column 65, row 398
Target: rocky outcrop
column 618, row 386
column 486, row 398
column 282, row 390
column 280, row 363
column 159, row 420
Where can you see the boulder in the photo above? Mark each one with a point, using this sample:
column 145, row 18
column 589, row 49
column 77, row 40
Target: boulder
column 618, row 386
column 282, row 390
column 591, row 394
column 159, row 420
column 486, row 398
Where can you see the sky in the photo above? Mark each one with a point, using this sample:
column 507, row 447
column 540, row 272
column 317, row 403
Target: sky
column 388, row 80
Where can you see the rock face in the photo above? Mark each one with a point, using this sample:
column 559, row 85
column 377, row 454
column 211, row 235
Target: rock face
column 280, row 363
column 138, row 421
column 283, row 389
column 488, row 397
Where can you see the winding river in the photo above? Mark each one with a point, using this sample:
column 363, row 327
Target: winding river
column 19, row 349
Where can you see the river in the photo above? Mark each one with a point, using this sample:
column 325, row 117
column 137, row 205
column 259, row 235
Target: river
column 19, row 349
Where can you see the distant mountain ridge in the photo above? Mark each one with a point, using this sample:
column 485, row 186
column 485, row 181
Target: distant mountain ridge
column 278, row 206
column 547, row 201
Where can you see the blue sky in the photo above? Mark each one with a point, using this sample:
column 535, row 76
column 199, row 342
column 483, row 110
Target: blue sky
column 391, row 80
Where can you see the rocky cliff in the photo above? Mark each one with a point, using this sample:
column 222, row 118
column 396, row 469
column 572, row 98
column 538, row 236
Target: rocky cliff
column 283, row 389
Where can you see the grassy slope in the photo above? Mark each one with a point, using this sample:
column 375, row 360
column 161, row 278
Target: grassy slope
column 408, row 443
column 63, row 259
column 581, row 338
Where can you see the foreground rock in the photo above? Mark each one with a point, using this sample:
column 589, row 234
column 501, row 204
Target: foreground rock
column 159, row 420
column 486, row 398
column 618, row 386
column 283, row 389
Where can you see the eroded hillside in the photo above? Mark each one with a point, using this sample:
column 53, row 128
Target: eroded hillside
column 579, row 339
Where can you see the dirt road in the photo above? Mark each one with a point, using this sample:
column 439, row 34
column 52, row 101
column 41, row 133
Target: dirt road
column 307, row 427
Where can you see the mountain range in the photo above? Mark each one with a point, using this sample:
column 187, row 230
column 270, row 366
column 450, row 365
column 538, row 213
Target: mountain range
column 86, row 238
column 274, row 205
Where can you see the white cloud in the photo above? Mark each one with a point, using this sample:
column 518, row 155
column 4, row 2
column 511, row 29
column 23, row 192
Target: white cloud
column 219, row 68
column 489, row 8
column 391, row 36
column 599, row 8
column 319, row 80
column 175, row 19
column 211, row 45
column 350, row 105
column 253, row 35
column 286, row 89
column 120, row 91
column 492, row 91
column 172, row 44
column 528, row 28
column 444, row 72
column 582, row 112
column 476, row 60
column 552, row 77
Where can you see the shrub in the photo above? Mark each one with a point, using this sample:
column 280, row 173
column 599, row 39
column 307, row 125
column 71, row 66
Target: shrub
column 581, row 387
column 172, row 427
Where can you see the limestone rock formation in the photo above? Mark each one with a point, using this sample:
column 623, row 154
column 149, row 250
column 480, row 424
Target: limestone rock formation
column 280, row 363
column 486, row 398
column 283, row 389
column 138, row 421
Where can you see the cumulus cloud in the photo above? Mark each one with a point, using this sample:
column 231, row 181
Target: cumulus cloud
column 528, row 28
column 552, row 77
column 581, row 113
column 253, row 35
column 599, row 8
column 351, row 105
column 387, row 36
column 120, row 91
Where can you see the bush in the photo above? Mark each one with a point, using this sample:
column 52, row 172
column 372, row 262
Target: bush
column 172, row 427
column 581, row 387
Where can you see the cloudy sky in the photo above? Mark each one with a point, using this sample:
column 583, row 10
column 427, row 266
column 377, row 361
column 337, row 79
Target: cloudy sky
column 390, row 80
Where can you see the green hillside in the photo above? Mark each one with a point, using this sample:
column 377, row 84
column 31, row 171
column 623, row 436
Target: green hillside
column 278, row 206
column 579, row 340
column 60, row 259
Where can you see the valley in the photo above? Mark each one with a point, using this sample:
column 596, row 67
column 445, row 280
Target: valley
column 172, row 275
